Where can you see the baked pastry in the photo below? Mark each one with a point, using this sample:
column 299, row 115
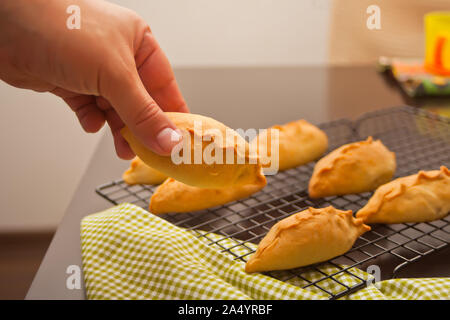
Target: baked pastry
column 299, row 143
column 140, row 173
column 352, row 168
column 175, row 196
column 307, row 237
column 421, row 197
column 211, row 156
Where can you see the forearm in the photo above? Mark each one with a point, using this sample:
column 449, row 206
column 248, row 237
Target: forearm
column 35, row 42
column 25, row 26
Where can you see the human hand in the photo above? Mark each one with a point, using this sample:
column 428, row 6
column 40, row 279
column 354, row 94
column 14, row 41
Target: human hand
column 111, row 69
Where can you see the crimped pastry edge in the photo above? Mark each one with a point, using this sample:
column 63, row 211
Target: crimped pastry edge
column 348, row 215
column 403, row 184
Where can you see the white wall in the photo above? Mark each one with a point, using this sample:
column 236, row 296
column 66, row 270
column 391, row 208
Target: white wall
column 44, row 151
column 238, row 32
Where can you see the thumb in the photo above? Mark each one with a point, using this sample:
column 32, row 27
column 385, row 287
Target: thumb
column 142, row 115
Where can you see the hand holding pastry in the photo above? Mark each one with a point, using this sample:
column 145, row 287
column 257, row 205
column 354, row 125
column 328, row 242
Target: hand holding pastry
column 110, row 69
column 213, row 157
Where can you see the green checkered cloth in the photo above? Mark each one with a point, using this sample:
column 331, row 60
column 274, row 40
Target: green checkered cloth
column 129, row 253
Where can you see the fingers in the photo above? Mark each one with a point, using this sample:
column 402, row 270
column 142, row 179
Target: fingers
column 90, row 121
column 157, row 75
column 140, row 112
column 123, row 150
column 89, row 115
column 168, row 96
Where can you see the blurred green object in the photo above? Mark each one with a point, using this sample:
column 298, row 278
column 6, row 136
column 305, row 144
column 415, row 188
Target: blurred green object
column 413, row 78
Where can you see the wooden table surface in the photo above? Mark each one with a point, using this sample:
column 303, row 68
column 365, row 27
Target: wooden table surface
column 241, row 98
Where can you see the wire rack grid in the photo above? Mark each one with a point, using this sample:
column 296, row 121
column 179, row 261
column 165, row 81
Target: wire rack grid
column 421, row 141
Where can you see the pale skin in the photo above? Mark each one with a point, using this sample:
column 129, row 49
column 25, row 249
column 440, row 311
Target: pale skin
column 110, row 70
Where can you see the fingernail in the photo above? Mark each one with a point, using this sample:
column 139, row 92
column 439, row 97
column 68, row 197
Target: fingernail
column 168, row 138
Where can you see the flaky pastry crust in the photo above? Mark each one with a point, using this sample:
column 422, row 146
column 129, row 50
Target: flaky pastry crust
column 299, row 143
column 214, row 175
column 307, row 237
column 421, row 197
column 175, row 196
column 140, row 173
column 352, row 168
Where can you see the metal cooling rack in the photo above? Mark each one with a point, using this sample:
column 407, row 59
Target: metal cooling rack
column 421, row 141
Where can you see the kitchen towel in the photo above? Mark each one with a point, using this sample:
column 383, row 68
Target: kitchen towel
column 129, row 253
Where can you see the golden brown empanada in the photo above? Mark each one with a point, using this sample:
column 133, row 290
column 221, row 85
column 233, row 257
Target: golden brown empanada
column 140, row 173
column 175, row 196
column 417, row 198
column 352, row 168
column 299, row 143
column 307, row 237
column 195, row 171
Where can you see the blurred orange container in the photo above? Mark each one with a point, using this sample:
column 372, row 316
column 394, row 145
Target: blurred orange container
column 437, row 43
